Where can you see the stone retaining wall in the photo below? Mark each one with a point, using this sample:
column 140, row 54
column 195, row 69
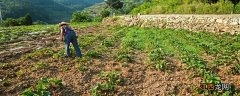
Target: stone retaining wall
column 211, row 23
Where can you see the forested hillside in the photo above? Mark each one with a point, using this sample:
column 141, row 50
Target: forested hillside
column 188, row 7
column 50, row 11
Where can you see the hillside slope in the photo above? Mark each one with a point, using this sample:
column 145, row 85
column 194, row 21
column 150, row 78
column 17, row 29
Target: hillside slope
column 51, row 11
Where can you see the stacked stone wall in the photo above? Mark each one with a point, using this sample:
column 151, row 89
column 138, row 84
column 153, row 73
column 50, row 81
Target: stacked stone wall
column 196, row 23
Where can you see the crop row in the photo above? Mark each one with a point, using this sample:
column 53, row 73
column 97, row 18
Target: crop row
column 187, row 46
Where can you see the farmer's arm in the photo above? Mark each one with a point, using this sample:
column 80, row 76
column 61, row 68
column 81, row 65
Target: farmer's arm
column 62, row 34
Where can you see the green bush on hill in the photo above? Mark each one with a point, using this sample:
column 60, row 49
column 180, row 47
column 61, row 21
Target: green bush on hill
column 26, row 20
column 85, row 16
column 81, row 17
column 188, row 7
column 105, row 13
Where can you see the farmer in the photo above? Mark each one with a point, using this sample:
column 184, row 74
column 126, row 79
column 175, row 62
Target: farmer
column 69, row 36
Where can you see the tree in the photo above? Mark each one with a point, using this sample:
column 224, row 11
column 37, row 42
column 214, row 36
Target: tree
column 115, row 4
column 209, row 1
column 26, row 20
column 213, row 1
column 105, row 13
column 235, row 2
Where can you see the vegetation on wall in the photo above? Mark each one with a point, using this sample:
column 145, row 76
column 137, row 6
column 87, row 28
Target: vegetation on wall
column 188, row 7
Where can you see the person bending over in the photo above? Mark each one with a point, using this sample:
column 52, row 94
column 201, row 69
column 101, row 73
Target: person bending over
column 69, row 36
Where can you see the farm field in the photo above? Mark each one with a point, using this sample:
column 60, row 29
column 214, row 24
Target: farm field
column 117, row 61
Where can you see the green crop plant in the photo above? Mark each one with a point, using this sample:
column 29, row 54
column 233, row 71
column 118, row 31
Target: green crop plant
column 82, row 68
column 187, row 46
column 101, row 49
column 112, row 80
column 93, row 54
column 42, row 65
column 124, row 58
column 88, row 40
column 42, row 88
column 59, row 54
column 4, row 65
column 235, row 70
column 39, row 53
column 161, row 65
column 124, row 64
column 108, row 42
column 158, row 57
column 65, row 68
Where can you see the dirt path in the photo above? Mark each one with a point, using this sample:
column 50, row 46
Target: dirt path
column 139, row 78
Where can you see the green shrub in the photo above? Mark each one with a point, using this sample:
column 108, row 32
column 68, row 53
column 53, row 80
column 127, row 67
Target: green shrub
column 26, row 20
column 105, row 13
column 10, row 22
column 81, row 17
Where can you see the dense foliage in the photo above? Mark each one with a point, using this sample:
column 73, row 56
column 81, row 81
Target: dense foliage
column 26, row 20
column 189, row 7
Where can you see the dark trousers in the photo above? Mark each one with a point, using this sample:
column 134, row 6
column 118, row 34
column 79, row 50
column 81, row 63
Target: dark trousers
column 71, row 37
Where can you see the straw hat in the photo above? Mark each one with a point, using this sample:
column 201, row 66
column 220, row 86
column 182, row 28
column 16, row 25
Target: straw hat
column 63, row 23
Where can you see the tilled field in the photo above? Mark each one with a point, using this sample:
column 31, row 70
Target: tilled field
column 122, row 61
